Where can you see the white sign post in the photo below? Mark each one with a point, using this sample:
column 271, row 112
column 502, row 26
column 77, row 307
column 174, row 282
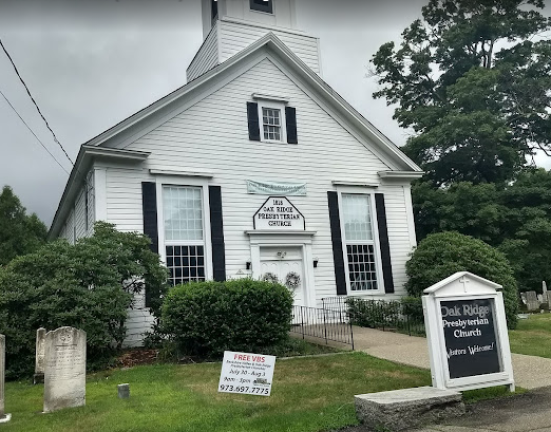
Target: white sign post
column 467, row 333
column 245, row 373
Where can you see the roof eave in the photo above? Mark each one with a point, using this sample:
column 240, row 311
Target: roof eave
column 86, row 156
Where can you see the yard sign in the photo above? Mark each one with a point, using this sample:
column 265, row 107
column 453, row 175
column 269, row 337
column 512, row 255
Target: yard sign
column 245, row 373
column 467, row 333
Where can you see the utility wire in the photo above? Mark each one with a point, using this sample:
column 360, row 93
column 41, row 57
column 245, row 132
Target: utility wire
column 31, row 131
column 34, row 102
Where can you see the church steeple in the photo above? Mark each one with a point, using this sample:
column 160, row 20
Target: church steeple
column 229, row 26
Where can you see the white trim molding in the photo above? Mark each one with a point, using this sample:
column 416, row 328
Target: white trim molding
column 401, row 175
column 352, row 183
column 274, row 98
column 196, row 174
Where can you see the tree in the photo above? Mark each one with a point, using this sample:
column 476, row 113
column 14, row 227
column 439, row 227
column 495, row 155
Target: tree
column 473, row 82
column 88, row 285
column 19, row 233
column 515, row 218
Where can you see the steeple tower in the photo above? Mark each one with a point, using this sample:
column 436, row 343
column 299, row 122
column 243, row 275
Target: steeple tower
column 229, row 26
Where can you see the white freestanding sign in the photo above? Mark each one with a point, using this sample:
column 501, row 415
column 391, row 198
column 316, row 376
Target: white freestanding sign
column 245, row 373
column 467, row 333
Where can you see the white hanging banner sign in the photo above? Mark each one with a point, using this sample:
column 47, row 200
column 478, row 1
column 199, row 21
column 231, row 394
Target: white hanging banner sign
column 245, row 373
column 275, row 188
column 278, row 214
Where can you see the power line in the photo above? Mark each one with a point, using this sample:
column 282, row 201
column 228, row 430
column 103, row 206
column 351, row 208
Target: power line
column 29, row 128
column 34, row 102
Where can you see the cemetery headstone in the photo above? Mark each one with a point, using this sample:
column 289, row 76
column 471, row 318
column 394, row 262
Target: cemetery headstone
column 123, row 391
column 532, row 303
column 64, row 369
column 545, row 292
column 39, row 361
column 467, row 329
column 4, row 418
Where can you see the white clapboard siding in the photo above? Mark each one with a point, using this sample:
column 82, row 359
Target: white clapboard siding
column 234, row 37
column 212, row 136
column 207, row 57
column 139, row 321
column 67, row 232
column 80, row 214
column 91, row 202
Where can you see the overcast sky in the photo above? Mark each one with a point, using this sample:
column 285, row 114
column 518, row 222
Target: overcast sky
column 92, row 63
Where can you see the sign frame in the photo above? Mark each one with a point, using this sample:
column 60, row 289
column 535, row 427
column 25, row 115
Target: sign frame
column 460, row 287
column 280, row 229
column 247, row 373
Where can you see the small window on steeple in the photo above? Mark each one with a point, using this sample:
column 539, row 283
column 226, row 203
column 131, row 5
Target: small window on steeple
column 262, row 5
column 214, row 9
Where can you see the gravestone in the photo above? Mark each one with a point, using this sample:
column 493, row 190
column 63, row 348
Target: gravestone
column 467, row 333
column 64, row 369
column 39, row 361
column 123, row 391
column 544, row 291
column 532, row 303
column 4, row 418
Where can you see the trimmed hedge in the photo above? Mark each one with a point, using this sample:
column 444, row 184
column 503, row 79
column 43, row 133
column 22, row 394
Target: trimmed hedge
column 208, row 318
column 443, row 254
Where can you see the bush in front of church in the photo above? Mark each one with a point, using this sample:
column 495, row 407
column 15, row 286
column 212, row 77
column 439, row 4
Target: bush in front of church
column 443, row 254
column 88, row 285
column 205, row 319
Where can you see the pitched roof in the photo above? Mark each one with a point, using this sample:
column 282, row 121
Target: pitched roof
column 276, row 47
column 131, row 128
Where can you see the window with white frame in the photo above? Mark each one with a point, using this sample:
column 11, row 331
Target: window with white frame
column 271, row 121
column 183, row 214
column 262, row 6
column 359, row 242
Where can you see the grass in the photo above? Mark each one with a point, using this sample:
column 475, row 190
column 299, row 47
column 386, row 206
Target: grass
column 532, row 336
column 308, row 394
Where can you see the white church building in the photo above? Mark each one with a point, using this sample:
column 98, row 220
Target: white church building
column 256, row 167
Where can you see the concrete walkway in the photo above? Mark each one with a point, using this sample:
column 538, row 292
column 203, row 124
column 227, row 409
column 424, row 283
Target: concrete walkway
column 530, row 372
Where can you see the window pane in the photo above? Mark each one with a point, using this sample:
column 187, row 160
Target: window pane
column 261, row 5
column 357, row 217
column 271, row 118
column 361, row 267
column 183, row 213
column 186, row 264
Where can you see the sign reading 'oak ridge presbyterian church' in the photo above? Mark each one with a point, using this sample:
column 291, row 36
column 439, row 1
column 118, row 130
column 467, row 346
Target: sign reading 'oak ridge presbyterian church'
column 278, row 213
column 467, row 333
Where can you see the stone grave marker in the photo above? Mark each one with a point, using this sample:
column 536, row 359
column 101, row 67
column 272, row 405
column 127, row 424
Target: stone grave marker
column 123, row 391
column 39, row 361
column 544, row 291
column 532, row 303
column 4, row 418
column 467, row 329
column 64, row 369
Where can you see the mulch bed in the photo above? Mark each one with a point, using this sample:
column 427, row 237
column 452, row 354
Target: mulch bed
column 137, row 357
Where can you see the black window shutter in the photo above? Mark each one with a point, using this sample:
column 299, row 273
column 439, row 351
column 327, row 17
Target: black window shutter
column 336, row 238
column 384, row 244
column 150, row 229
column 291, row 119
column 217, row 234
column 254, row 123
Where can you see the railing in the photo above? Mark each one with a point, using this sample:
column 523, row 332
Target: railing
column 330, row 325
column 403, row 316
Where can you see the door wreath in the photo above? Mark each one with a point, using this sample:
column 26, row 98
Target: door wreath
column 292, row 280
column 270, row 277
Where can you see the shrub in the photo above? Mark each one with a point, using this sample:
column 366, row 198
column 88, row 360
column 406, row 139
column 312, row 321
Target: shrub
column 404, row 315
column 88, row 285
column 441, row 255
column 208, row 318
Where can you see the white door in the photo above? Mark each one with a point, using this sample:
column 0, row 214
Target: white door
column 285, row 263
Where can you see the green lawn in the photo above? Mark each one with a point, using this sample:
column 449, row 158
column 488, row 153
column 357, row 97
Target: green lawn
column 532, row 336
column 308, row 394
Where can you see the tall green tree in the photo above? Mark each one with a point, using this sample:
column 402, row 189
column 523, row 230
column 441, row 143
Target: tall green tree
column 472, row 80
column 19, row 233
